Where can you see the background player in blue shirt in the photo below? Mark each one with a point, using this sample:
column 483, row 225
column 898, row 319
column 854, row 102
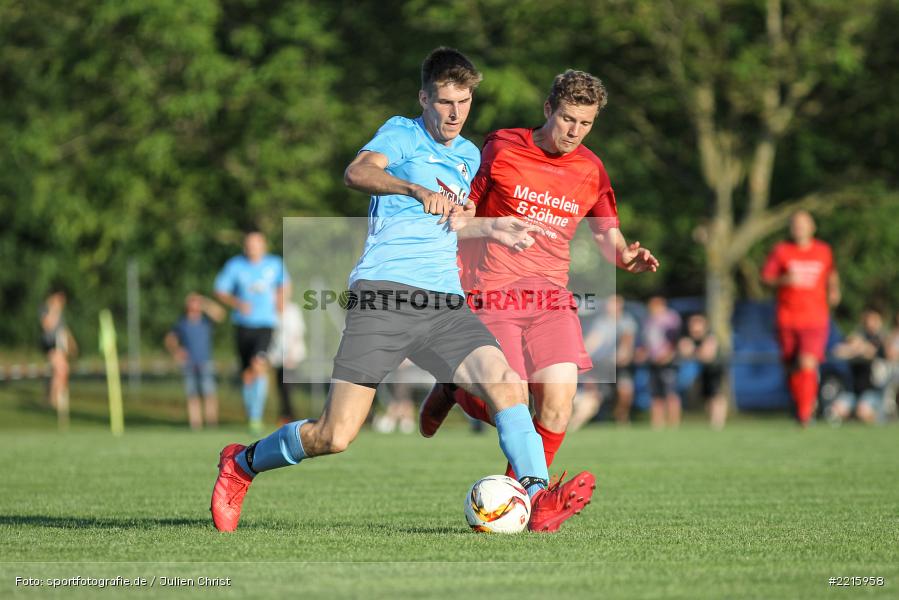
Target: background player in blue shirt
column 418, row 172
column 253, row 284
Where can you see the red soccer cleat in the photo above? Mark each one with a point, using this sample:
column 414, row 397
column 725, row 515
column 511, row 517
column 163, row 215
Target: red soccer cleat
column 554, row 505
column 435, row 408
column 230, row 489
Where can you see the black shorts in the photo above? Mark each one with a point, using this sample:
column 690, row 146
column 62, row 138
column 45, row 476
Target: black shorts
column 712, row 377
column 625, row 373
column 252, row 342
column 48, row 343
column 662, row 380
column 387, row 322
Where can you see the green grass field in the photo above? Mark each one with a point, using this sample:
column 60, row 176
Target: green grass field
column 760, row 510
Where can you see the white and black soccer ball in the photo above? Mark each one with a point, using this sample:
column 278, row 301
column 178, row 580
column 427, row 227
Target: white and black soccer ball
column 497, row 504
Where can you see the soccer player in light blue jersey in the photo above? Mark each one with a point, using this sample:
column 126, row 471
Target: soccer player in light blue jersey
column 408, row 303
column 253, row 284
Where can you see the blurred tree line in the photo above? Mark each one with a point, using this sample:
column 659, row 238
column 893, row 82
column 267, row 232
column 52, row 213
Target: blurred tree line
column 157, row 131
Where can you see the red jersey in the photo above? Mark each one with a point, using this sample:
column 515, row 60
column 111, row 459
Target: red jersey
column 802, row 303
column 554, row 192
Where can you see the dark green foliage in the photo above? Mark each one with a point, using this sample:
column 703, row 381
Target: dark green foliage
column 156, row 131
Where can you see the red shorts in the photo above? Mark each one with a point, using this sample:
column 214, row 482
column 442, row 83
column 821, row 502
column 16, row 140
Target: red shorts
column 802, row 340
column 534, row 328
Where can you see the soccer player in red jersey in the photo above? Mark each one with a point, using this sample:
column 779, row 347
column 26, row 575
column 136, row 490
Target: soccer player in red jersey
column 807, row 285
column 533, row 188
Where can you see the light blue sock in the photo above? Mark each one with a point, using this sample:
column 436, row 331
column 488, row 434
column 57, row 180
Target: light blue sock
column 248, row 393
column 260, row 394
column 280, row 449
column 522, row 445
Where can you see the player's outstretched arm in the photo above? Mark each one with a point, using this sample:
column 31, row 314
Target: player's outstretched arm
column 282, row 296
column 833, row 289
column 629, row 257
column 367, row 174
column 509, row 231
column 232, row 301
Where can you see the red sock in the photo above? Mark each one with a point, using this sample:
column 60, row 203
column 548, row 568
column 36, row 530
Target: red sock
column 809, row 394
column 551, row 443
column 473, row 406
column 804, row 389
column 795, row 383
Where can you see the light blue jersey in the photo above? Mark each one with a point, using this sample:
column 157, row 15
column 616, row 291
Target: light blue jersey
column 255, row 283
column 405, row 244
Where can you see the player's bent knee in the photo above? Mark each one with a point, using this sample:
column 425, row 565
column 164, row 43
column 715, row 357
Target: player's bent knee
column 555, row 417
column 336, row 445
column 332, row 442
column 808, row 361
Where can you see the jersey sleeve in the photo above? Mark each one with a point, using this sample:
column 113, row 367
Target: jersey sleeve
column 829, row 267
column 283, row 277
column 603, row 215
column 483, row 181
column 773, row 267
column 395, row 140
column 226, row 280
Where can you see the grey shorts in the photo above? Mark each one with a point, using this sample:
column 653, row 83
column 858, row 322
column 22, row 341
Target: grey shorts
column 199, row 379
column 387, row 322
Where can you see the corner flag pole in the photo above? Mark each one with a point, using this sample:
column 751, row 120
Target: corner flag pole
column 113, row 378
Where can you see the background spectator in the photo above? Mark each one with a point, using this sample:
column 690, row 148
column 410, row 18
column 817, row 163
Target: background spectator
column 661, row 331
column 611, row 337
column 287, row 351
column 58, row 344
column 700, row 348
column 865, row 350
column 190, row 344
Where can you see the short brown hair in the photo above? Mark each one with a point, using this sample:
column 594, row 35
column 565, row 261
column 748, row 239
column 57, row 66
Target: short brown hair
column 447, row 65
column 577, row 87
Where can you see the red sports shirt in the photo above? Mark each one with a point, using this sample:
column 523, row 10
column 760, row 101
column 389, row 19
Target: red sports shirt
column 802, row 303
column 554, row 192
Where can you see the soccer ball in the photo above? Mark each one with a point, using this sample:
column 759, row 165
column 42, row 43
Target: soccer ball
column 497, row 504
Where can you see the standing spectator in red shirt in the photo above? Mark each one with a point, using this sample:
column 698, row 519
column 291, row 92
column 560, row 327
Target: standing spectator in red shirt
column 807, row 284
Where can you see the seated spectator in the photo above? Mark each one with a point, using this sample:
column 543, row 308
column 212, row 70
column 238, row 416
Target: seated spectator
column 892, row 355
column 865, row 351
column 700, row 348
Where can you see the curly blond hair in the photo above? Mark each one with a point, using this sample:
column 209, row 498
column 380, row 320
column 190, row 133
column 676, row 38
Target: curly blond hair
column 577, row 87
